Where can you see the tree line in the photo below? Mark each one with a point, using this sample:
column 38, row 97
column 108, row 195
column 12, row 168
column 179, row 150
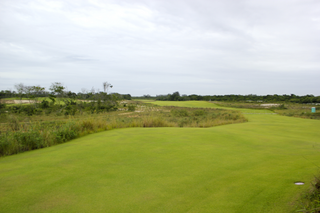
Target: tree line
column 60, row 101
column 57, row 89
column 237, row 98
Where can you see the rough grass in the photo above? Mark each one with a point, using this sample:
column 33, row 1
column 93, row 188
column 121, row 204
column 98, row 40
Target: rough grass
column 286, row 109
column 19, row 135
column 246, row 167
column 310, row 200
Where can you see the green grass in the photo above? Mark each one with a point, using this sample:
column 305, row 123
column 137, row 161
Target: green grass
column 247, row 167
column 197, row 104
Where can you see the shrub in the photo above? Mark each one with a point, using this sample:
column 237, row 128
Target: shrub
column 28, row 140
column 131, row 108
column 2, row 105
column 66, row 132
column 44, row 104
column 29, row 110
column 5, row 144
column 70, row 110
column 282, row 106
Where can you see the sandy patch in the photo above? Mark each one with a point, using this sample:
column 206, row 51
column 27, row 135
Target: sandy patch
column 19, row 101
column 269, row 105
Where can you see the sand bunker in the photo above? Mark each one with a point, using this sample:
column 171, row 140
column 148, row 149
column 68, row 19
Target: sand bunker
column 269, row 105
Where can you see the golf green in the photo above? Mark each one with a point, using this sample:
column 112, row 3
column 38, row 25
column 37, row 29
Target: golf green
column 247, row 167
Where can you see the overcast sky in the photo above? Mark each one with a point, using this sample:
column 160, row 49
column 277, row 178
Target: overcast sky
column 159, row 46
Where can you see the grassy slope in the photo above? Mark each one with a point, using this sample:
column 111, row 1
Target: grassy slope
column 248, row 167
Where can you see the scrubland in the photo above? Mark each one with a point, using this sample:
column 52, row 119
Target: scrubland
column 21, row 132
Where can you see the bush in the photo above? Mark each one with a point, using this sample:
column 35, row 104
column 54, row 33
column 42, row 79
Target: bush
column 29, row 110
column 5, row 144
column 29, row 140
column 44, row 104
column 282, row 106
column 2, row 105
column 69, row 110
column 67, row 132
column 15, row 142
column 131, row 108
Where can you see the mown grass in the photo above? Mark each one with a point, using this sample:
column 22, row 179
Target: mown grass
column 309, row 199
column 246, row 167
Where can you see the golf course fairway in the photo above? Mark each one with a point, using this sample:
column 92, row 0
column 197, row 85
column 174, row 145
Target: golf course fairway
column 247, row 167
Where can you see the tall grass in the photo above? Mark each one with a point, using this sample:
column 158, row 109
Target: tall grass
column 20, row 136
column 286, row 109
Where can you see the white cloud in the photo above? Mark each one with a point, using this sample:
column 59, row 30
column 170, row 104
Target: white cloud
column 216, row 45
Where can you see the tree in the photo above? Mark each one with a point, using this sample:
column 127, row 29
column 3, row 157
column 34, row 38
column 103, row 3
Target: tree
column 34, row 92
column 20, row 89
column 28, row 92
column 37, row 90
column 57, row 88
column 175, row 96
column 127, row 96
column 31, row 92
column 71, row 95
column 84, row 93
column 106, row 86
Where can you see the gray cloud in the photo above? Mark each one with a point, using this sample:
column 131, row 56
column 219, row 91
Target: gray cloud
column 158, row 47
